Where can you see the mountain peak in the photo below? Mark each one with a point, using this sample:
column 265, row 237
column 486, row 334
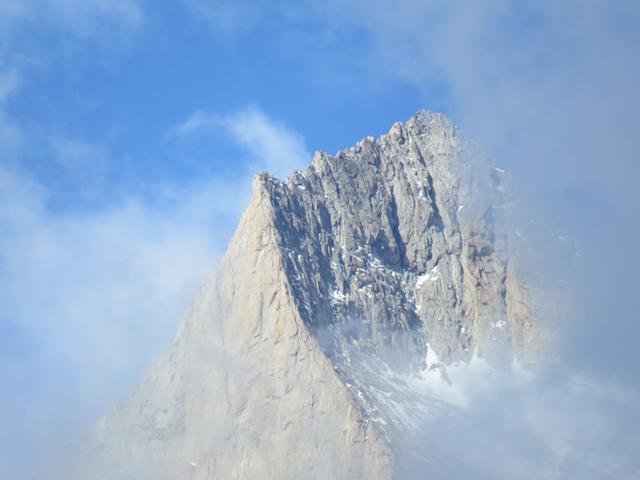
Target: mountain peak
column 388, row 256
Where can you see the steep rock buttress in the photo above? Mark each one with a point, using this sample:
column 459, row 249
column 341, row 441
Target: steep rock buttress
column 393, row 249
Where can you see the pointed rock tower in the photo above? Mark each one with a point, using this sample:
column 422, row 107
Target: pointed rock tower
column 393, row 250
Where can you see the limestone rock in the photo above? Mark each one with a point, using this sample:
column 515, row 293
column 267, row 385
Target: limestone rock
column 393, row 249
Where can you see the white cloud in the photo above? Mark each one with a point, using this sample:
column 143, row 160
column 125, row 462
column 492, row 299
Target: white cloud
column 530, row 80
column 99, row 283
column 546, row 426
column 551, row 90
column 90, row 300
column 196, row 122
column 99, row 294
column 273, row 146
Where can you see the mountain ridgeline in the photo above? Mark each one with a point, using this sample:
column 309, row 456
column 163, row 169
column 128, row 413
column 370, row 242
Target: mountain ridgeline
column 389, row 261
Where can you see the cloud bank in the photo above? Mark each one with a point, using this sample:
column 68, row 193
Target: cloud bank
column 551, row 89
column 92, row 297
column 517, row 425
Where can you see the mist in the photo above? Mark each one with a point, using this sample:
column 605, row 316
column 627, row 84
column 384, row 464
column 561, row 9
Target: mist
column 551, row 426
column 552, row 91
column 93, row 298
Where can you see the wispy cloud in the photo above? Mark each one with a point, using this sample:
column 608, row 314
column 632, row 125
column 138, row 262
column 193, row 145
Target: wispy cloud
column 530, row 80
column 96, row 295
column 99, row 293
column 56, row 30
column 272, row 145
column 557, row 426
column 551, row 89
column 278, row 148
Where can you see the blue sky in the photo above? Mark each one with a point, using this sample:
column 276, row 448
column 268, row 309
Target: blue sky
column 130, row 131
column 107, row 92
column 129, row 135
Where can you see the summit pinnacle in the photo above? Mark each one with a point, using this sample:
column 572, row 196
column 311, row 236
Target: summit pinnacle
column 394, row 250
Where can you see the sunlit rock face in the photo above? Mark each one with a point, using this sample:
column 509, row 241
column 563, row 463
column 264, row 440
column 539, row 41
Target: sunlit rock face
column 342, row 287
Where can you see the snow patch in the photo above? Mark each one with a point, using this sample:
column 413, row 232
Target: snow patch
column 339, row 297
column 431, row 276
column 432, row 359
column 500, row 324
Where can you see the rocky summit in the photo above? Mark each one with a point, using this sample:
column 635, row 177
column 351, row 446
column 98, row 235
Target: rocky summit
column 387, row 262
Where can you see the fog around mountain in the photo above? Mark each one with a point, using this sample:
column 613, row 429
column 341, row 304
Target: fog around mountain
column 549, row 90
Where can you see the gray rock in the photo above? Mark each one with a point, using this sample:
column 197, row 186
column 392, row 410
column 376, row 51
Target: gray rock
column 386, row 250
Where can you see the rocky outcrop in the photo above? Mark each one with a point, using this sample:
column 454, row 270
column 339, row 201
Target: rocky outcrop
column 402, row 240
column 395, row 249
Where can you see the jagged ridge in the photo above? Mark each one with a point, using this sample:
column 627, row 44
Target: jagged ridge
column 392, row 249
column 403, row 234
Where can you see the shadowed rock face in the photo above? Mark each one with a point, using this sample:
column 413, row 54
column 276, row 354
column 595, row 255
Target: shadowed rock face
column 400, row 241
column 394, row 249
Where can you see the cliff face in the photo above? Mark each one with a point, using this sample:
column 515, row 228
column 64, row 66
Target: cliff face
column 391, row 256
column 403, row 235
